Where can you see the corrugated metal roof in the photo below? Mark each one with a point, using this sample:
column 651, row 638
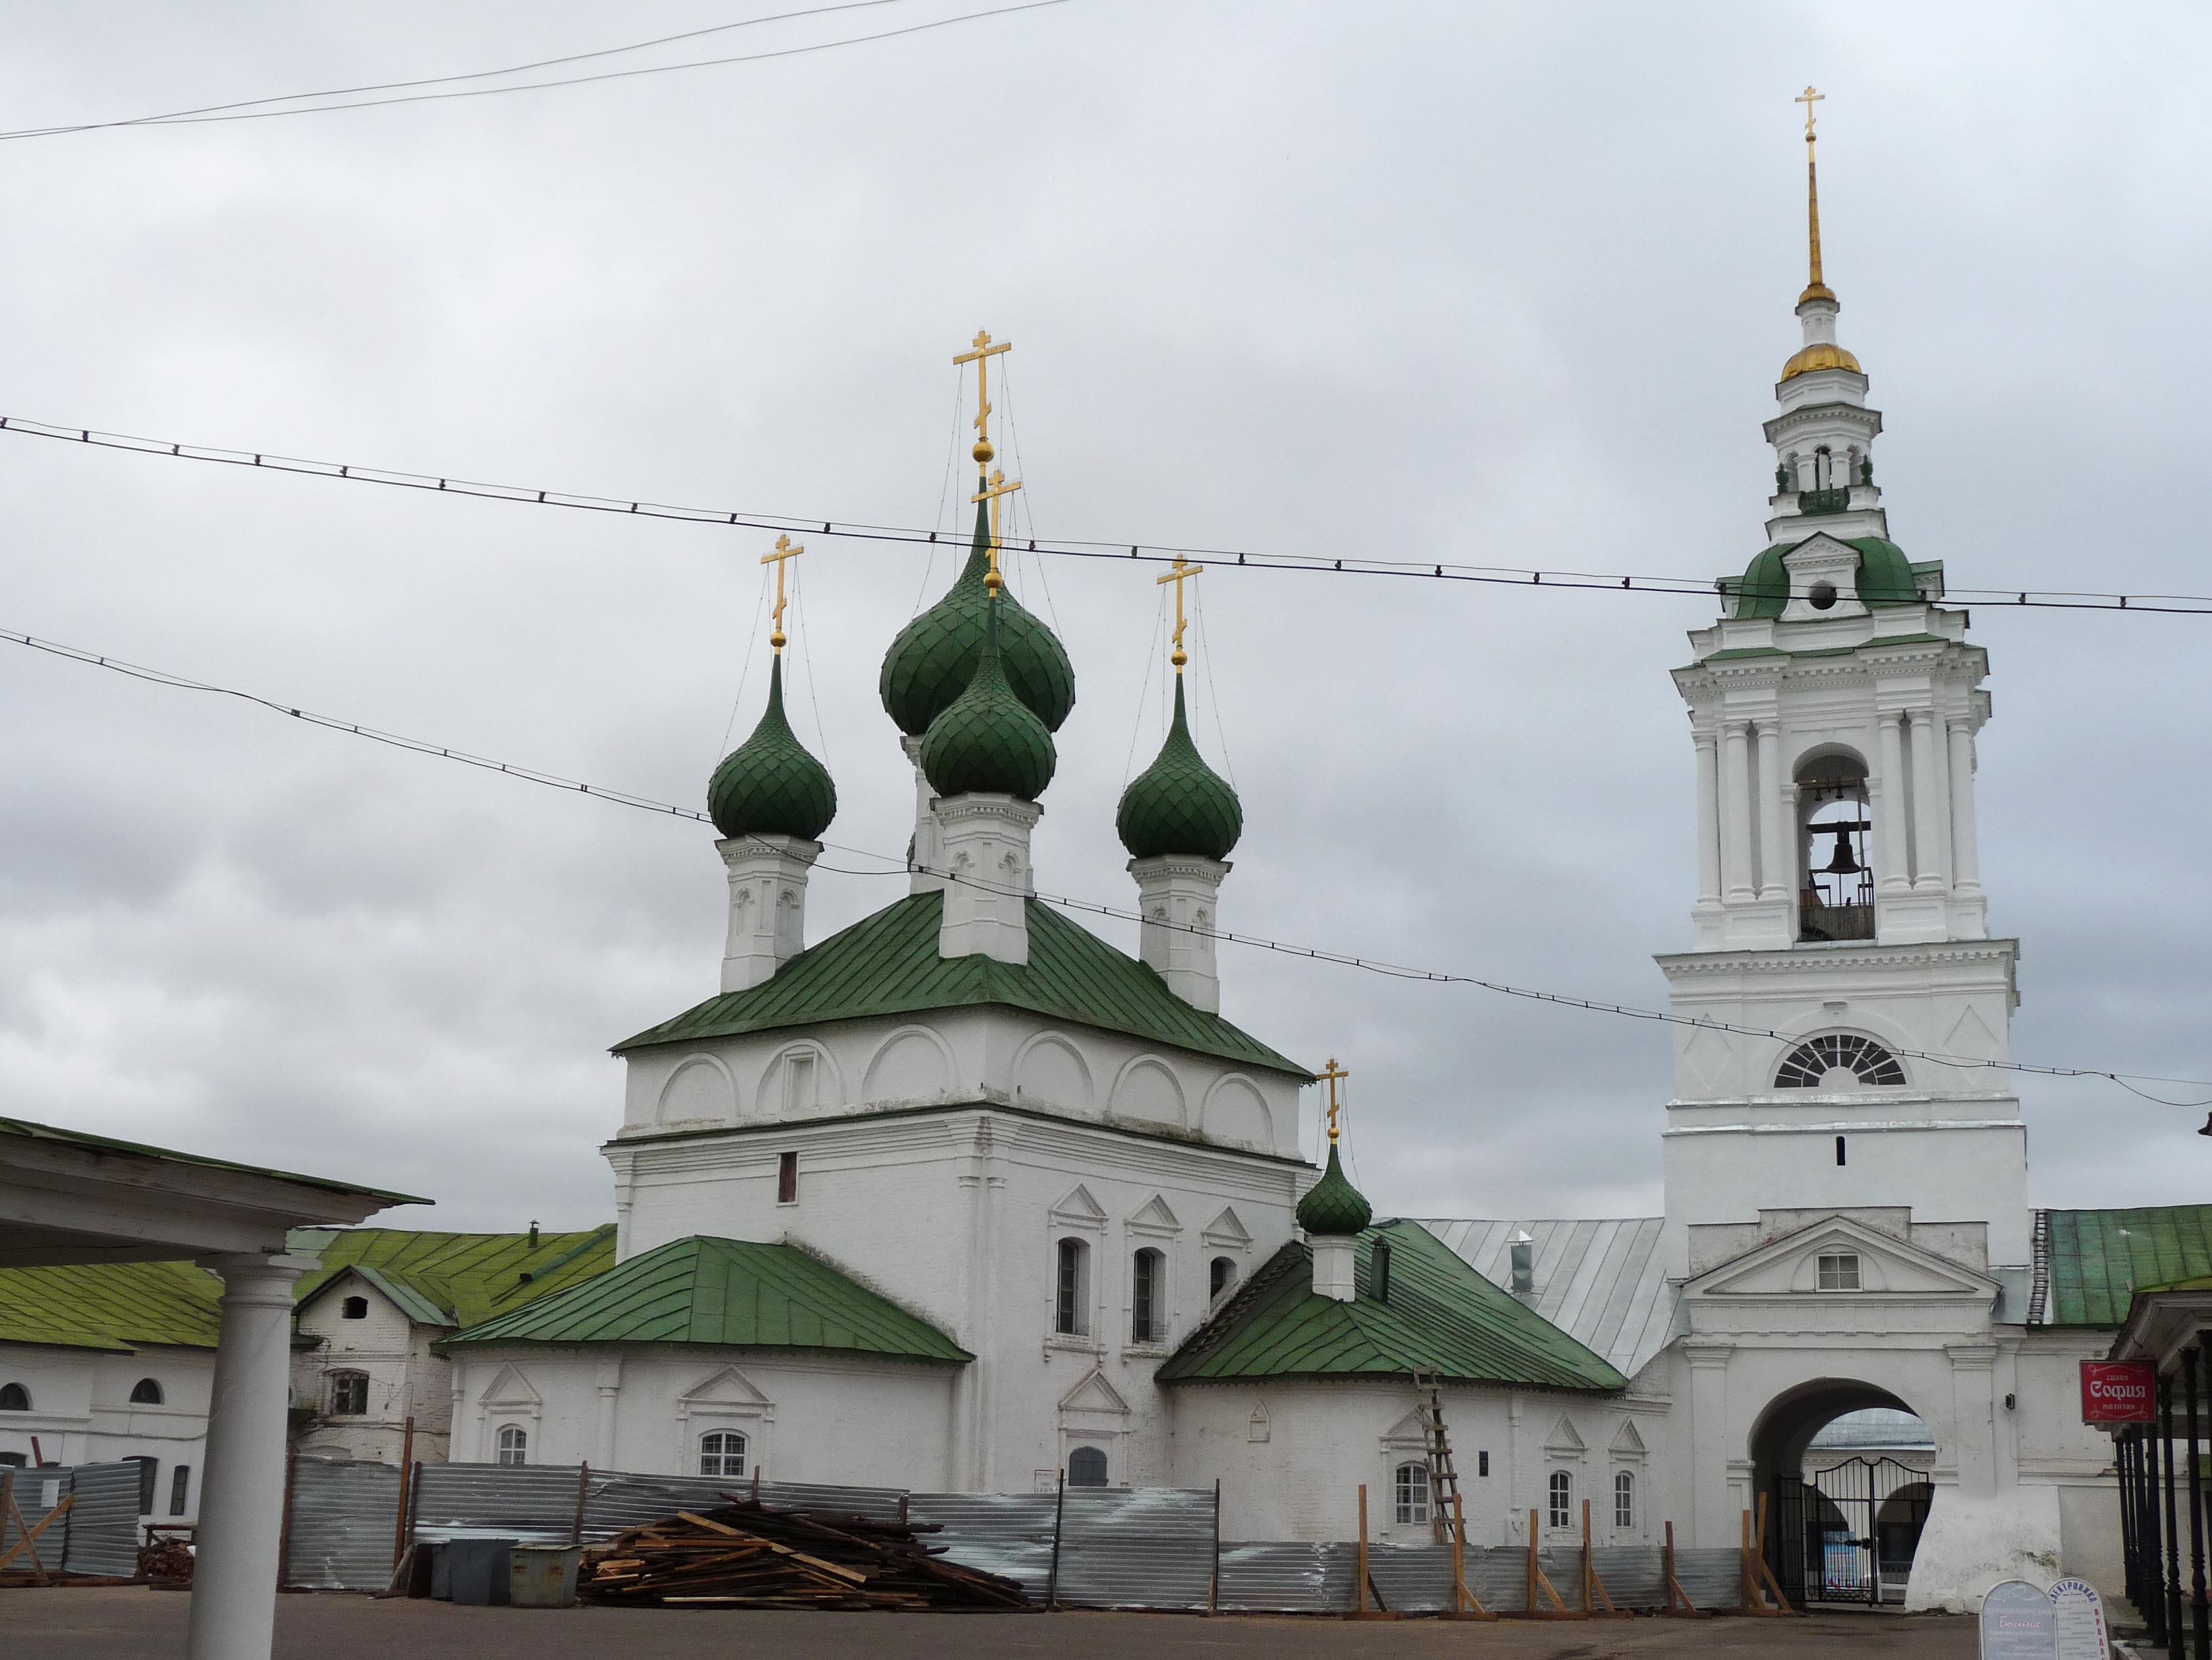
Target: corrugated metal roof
column 456, row 1279
column 888, row 963
column 2099, row 1259
column 1603, row 1281
column 727, row 1292
column 1440, row 1316
column 111, row 1305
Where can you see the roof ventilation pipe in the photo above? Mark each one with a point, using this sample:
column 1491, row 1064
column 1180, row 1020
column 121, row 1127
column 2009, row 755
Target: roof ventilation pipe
column 1524, row 1246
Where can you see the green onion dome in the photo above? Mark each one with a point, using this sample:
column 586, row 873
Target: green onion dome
column 769, row 785
column 1179, row 804
column 935, row 655
column 988, row 741
column 1333, row 1205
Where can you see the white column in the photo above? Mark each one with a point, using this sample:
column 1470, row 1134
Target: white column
column 607, row 1377
column 987, row 850
column 1774, row 861
column 233, row 1612
column 1929, row 831
column 1709, row 817
column 1966, row 860
column 768, row 905
column 928, row 855
column 1735, row 811
column 1179, row 897
column 1893, row 871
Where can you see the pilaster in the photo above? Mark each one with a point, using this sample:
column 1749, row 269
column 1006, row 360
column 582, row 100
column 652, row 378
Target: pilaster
column 926, row 860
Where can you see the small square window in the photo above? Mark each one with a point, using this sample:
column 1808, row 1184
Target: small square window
column 1839, row 1271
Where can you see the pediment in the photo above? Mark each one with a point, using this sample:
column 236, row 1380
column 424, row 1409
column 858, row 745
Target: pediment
column 1565, row 1439
column 1155, row 1217
column 1409, row 1428
column 509, row 1388
column 1093, row 1394
column 725, row 1387
column 1888, row 1265
column 1228, row 1228
column 1628, row 1443
column 1077, row 1206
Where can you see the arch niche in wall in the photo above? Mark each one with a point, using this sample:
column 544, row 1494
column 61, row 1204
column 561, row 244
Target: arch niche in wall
column 1049, row 1071
column 1236, row 1112
column 914, row 1064
column 1149, row 1093
column 700, row 1089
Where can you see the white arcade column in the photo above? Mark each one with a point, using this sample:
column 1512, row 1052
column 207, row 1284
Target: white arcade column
column 233, row 1612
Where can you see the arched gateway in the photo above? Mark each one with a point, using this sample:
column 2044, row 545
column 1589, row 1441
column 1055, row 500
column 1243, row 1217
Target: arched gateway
column 1845, row 1512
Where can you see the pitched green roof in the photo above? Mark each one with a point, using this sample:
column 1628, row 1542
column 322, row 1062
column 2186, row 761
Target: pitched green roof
column 2099, row 1259
column 456, row 1279
column 111, row 1305
column 724, row 1292
column 1441, row 1316
column 888, row 963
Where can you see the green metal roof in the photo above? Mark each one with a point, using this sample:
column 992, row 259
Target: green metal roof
column 888, row 963
column 1885, row 577
column 114, row 1306
column 30, row 1132
column 455, row 1279
column 729, row 1292
column 1441, row 1316
column 2099, row 1259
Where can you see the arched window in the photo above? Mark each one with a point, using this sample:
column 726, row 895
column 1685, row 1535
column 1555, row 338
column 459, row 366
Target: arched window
column 1838, row 1060
column 145, row 1392
column 1563, row 1498
column 1148, row 1300
column 349, row 1394
column 1624, row 1498
column 1086, row 1468
column 1835, row 873
column 1410, row 1485
column 14, row 1397
column 1221, row 1275
column 354, row 1308
column 514, row 1444
column 1071, row 1298
column 722, row 1452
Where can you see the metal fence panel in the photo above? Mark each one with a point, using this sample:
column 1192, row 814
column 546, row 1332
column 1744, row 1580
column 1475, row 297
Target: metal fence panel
column 1137, row 1547
column 103, row 1522
column 1288, row 1576
column 879, row 1504
column 345, row 1521
column 37, row 1492
column 1635, row 1576
column 1411, row 1579
column 530, row 1504
column 1712, row 1577
column 1498, row 1575
column 1008, row 1534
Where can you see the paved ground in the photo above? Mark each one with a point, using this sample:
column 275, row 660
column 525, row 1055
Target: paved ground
column 126, row 1623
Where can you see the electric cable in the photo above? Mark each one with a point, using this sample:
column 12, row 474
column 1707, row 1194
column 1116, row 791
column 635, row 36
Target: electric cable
column 2182, row 604
column 902, row 867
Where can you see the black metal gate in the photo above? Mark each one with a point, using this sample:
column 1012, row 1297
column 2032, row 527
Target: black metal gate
column 1846, row 1534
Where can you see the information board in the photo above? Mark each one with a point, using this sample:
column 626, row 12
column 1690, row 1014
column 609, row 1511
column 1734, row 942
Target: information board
column 2078, row 1622
column 2018, row 1623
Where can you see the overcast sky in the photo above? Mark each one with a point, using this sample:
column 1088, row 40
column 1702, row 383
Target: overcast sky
column 1502, row 283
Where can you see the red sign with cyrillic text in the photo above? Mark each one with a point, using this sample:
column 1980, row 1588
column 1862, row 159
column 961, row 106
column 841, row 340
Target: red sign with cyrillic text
column 2117, row 1391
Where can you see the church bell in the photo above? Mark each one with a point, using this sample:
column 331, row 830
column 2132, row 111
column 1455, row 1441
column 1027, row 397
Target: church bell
column 1841, row 862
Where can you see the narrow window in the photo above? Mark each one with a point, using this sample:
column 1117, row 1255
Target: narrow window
column 514, row 1444
column 1563, row 1498
column 798, row 1086
column 1147, row 1321
column 1412, row 1489
column 1086, row 1468
column 722, row 1453
column 354, row 1308
column 349, row 1394
column 786, row 1178
column 1840, row 1272
column 145, row 1392
column 14, row 1461
column 180, row 1489
column 1482, row 1464
column 1839, row 1153
column 1221, row 1275
column 1070, row 1290
column 14, row 1397
column 1624, row 1499
column 1382, row 1270
column 147, row 1468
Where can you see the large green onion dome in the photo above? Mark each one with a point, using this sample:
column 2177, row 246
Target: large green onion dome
column 769, row 785
column 1333, row 1205
column 1179, row 804
column 935, row 655
column 988, row 741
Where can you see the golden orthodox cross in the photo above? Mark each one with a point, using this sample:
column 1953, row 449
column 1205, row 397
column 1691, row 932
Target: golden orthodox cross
column 1331, row 1073
column 785, row 551
column 1808, row 98
column 1180, row 572
column 991, row 492
column 985, row 349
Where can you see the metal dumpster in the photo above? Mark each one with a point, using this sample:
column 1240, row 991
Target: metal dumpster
column 543, row 1575
column 478, row 1570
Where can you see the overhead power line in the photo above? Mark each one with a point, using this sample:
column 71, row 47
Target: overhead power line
column 896, row 865
column 1064, row 547
column 254, row 109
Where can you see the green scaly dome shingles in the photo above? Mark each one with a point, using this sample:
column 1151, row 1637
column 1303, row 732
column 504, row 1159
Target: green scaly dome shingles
column 1333, row 1205
column 1179, row 804
column 988, row 741
column 1885, row 578
column 935, row 655
column 769, row 785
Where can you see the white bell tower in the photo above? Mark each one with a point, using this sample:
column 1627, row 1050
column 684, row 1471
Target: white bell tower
column 1833, row 709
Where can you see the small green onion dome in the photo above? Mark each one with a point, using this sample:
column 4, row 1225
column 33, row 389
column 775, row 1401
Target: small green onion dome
column 988, row 741
column 1179, row 804
column 935, row 655
column 769, row 785
column 1333, row 1205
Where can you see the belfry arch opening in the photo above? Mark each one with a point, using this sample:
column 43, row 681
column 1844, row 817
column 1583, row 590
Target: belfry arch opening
column 1835, row 850
column 1844, row 1467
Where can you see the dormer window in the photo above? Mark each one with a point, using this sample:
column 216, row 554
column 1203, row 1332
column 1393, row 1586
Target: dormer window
column 1839, row 1270
column 354, row 1308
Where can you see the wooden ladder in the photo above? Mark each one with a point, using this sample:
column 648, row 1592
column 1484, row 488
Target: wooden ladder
column 1443, row 1480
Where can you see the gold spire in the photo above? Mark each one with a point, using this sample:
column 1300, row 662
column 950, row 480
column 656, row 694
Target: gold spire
column 1814, row 289
column 785, row 551
column 1181, row 572
column 981, row 356
column 993, row 489
column 1332, row 1073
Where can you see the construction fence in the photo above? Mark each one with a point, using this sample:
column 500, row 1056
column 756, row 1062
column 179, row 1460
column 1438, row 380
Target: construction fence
column 1154, row 1548
column 79, row 1519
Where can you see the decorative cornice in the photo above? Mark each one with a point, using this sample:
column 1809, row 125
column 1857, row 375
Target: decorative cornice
column 1837, row 959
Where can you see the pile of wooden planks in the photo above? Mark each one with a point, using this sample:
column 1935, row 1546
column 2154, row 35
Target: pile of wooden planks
column 747, row 1554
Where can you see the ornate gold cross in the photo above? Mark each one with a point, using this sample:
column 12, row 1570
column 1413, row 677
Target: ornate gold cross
column 1331, row 1073
column 985, row 350
column 1808, row 98
column 991, row 492
column 785, row 551
column 1180, row 572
